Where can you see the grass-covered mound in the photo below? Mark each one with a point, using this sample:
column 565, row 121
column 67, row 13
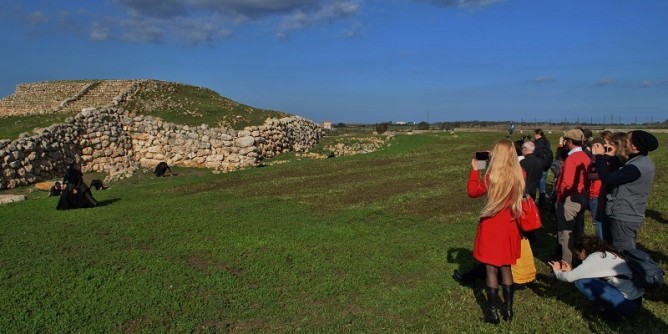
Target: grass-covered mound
column 173, row 102
column 191, row 105
column 361, row 244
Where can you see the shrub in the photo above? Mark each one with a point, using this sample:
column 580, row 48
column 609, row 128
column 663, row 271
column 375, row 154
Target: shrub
column 382, row 127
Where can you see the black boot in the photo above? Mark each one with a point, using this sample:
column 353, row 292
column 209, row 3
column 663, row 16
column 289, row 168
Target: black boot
column 491, row 315
column 508, row 294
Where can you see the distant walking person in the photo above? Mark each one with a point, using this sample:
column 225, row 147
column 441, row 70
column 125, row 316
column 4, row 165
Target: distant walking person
column 497, row 241
column 626, row 204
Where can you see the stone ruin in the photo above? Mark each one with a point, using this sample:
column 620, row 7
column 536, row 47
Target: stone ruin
column 112, row 140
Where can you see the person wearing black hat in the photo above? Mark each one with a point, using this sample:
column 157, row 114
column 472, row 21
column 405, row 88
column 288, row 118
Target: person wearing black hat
column 631, row 185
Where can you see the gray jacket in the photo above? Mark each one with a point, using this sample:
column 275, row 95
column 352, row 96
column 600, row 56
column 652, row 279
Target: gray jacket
column 628, row 201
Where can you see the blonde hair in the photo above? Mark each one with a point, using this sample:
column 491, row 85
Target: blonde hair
column 619, row 140
column 505, row 180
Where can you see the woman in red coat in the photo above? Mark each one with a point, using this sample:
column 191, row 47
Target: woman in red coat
column 497, row 240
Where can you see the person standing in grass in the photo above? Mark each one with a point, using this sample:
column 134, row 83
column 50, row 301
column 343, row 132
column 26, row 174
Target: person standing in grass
column 571, row 193
column 603, row 277
column 626, row 205
column 544, row 153
column 497, row 241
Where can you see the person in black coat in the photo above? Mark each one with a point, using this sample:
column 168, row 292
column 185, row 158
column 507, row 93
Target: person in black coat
column 161, row 169
column 533, row 168
column 75, row 193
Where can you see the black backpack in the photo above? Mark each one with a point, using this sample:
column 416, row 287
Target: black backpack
column 646, row 272
column 544, row 154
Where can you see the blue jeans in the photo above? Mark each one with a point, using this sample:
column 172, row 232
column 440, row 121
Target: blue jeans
column 598, row 229
column 598, row 290
column 542, row 183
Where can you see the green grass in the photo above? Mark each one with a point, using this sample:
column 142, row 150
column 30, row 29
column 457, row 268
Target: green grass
column 191, row 105
column 365, row 243
column 12, row 126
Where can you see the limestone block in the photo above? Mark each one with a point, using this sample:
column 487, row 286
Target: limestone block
column 4, row 199
column 233, row 158
column 245, row 141
column 246, row 150
column 154, row 149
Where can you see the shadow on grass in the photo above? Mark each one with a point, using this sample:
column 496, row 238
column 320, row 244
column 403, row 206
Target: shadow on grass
column 661, row 294
column 463, row 257
column 568, row 294
column 108, row 201
column 658, row 216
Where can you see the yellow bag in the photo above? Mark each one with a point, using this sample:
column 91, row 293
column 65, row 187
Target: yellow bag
column 524, row 270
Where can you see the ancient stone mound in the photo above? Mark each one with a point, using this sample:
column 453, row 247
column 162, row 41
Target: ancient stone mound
column 66, row 96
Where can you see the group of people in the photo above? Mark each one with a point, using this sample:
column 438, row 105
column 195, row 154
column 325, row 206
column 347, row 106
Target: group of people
column 75, row 193
column 612, row 175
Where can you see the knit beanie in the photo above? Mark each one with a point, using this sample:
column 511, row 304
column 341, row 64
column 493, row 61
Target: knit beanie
column 644, row 141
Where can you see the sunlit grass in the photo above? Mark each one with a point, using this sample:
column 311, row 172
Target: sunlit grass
column 365, row 243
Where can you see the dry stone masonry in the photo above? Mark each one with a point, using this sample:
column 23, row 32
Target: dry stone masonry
column 113, row 141
column 65, row 96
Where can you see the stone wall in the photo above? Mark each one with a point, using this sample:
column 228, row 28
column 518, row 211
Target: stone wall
column 113, row 141
column 66, row 96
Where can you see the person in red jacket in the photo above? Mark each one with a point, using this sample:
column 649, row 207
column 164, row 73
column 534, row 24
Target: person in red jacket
column 571, row 193
column 497, row 240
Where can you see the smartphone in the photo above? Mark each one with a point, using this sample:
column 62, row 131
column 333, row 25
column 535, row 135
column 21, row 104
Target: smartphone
column 482, row 157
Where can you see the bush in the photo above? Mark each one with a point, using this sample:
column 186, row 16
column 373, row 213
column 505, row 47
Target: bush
column 423, row 126
column 382, row 127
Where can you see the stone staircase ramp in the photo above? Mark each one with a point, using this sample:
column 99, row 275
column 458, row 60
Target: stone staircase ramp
column 40, row 97
column 99, row 96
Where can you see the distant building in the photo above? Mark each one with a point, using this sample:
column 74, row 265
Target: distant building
column 327, row 125
column 400, row 123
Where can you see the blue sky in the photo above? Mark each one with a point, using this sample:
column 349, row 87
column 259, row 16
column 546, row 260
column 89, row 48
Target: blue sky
column 362, row 60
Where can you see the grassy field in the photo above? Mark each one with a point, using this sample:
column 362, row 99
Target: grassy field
column 365, row 243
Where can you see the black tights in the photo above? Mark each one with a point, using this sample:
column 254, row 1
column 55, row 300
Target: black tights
column 492, row 278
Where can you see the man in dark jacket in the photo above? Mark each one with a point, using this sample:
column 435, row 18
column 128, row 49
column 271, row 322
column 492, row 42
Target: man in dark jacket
column 543, row 152
column 532, row 167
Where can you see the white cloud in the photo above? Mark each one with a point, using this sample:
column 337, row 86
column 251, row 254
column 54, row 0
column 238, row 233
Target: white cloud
column 469, row 4
column 37, row 18
column 605, row 81
column 652, row 83
column 206, row 21
column 544, row 79
column 327, row 13
column 355, row 30
column 98, row 32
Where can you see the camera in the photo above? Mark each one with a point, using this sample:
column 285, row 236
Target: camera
column 482, row 157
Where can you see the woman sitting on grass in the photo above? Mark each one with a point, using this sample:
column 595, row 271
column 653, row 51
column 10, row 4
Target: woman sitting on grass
column 75, row 193
column 497, row 240
column 603, row 277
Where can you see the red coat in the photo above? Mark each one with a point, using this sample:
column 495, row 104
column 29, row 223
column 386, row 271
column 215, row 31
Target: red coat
column 573, row 179
column 497, row 240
